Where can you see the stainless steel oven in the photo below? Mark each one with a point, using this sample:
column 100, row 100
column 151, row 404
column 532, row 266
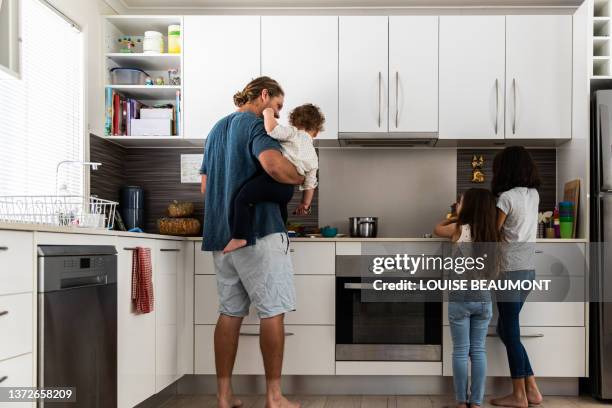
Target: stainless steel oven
column 386, row 325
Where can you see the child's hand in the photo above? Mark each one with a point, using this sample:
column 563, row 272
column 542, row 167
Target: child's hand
column 269, row 112
column 303, row 209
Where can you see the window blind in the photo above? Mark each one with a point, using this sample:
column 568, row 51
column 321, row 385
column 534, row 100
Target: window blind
column 41, row 115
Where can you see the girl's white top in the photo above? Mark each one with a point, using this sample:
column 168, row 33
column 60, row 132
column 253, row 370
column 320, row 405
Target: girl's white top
column 298, row 149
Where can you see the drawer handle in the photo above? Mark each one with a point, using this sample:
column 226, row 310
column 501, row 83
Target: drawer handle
column 169, row 250
column 287, row 334
column 539, row 251
column 130, row 249
column 292, row 250
column 529, row 336
column 3, row 248
column 4, row 312
column 3, row 379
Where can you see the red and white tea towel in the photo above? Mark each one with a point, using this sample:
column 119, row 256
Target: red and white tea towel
column 142, row 280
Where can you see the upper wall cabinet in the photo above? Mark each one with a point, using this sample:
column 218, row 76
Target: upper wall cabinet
column 413, row 74
column 9, row 39
column 221, row 55
column 539, row 77
column 305, row 62
column 364, row 72
column 472, row 64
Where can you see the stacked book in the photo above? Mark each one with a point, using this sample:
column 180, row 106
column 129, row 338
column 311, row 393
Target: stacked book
column 129, row 117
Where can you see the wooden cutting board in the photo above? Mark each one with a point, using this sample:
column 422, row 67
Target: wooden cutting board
column 571, row 192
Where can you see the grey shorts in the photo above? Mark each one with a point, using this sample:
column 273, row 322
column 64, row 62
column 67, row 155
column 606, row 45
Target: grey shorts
column 261, row 274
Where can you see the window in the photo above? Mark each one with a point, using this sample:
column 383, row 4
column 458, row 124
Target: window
column 41, row 115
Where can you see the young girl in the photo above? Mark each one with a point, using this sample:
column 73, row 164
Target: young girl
column 515, row 182
column 469, row 312
column 297, row 143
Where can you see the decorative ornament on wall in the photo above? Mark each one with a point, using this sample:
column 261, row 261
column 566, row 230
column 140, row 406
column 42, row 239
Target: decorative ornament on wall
column 478, row 175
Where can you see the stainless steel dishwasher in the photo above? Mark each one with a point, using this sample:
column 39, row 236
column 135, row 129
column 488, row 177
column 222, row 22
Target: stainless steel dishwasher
column 77, row 322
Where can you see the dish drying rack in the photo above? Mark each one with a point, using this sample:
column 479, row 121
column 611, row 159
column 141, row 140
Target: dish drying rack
column 58, row 210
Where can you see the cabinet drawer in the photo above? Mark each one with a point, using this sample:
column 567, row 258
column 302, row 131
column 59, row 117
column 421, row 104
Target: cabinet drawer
column 313, row 258
column 315, row 296
column 203, row 260
column 544, row 345
column 309, row 350
column 16, row 262
column 16, row 325
column 554, row 314
column 19, row 373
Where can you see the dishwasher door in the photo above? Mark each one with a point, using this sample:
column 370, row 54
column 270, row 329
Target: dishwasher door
column 77, row 345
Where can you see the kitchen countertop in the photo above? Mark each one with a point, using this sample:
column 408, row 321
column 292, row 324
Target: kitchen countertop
column 91, row 231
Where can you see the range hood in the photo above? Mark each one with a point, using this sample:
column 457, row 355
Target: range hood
column 389, row 139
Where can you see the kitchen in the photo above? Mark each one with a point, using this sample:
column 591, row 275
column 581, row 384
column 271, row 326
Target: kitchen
column 418, row 98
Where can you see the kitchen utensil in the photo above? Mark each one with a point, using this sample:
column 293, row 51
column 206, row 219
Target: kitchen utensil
column 329, row 232
column 363, row 227
column 571, row 192
column 128, row 76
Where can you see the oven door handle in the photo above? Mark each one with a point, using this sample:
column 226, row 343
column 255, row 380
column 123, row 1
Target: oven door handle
column 359, row 286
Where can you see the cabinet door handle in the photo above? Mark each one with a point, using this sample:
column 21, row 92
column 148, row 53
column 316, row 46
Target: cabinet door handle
column 496, row 104
column 379, row 98
column 3, row 312
column 527, row 336
column 287, row 334
column 3, row 248
column 169, row 250
column 291, row 250
column 3, row 379
column 514, row 106
column 539, row 251
column 396, row 99
column 130, row 249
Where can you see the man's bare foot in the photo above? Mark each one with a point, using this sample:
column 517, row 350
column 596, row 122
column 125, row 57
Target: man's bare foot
column 234, row 244
column 282, row 402
column 511, row 401
column 228, row 402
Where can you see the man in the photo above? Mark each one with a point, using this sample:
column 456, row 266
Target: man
column 261, row 273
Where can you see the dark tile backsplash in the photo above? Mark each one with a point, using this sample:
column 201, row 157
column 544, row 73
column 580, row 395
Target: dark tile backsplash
column 545, row 159
column 157, row 171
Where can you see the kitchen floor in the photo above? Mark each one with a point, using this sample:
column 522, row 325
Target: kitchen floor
column 366, row 401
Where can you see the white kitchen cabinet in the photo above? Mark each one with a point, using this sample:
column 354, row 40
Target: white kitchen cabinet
column 413, row 74
column 135, row 332
column 315, row 297
column 9, row 40
column 301, row 53
column 18, row 372
column 16, row 325
column 16, row 262
column 221, row 54
column 166, row 304
column 309, row 350
column 204, row 264
column 364, row 72
column 472, row 66
column 539, row 77
column 185, row 311
column 553, row 352
column 313, row 258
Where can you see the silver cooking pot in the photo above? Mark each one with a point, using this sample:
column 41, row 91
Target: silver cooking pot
column 363, row 227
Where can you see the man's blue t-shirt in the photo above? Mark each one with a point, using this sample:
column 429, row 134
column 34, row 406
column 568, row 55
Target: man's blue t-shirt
column 230, row 160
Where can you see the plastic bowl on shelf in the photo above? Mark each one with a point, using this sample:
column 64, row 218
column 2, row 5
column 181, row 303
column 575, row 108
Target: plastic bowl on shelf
column 128, row 76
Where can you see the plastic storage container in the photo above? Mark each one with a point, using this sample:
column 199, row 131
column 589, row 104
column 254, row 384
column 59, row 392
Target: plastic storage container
column 153, row 43
column 174, row 39
column 128, row 76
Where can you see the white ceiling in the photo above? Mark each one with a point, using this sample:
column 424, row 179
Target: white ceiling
column 249, row 4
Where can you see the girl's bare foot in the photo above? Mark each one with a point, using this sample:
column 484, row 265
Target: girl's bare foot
column 282, row 402
column 534, row 397
column 228, row 402
column 511, row 400
column 234, row 244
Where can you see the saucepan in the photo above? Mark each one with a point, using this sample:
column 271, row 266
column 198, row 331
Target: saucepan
column 363, row 227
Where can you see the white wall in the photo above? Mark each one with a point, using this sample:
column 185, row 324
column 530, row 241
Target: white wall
column 87, row 13
column 573, row 157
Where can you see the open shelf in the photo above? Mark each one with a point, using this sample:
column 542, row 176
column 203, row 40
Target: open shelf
column 146, row 62
column 137, row 25
column 154, row 141
column 601, row 8
column 148, row 92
